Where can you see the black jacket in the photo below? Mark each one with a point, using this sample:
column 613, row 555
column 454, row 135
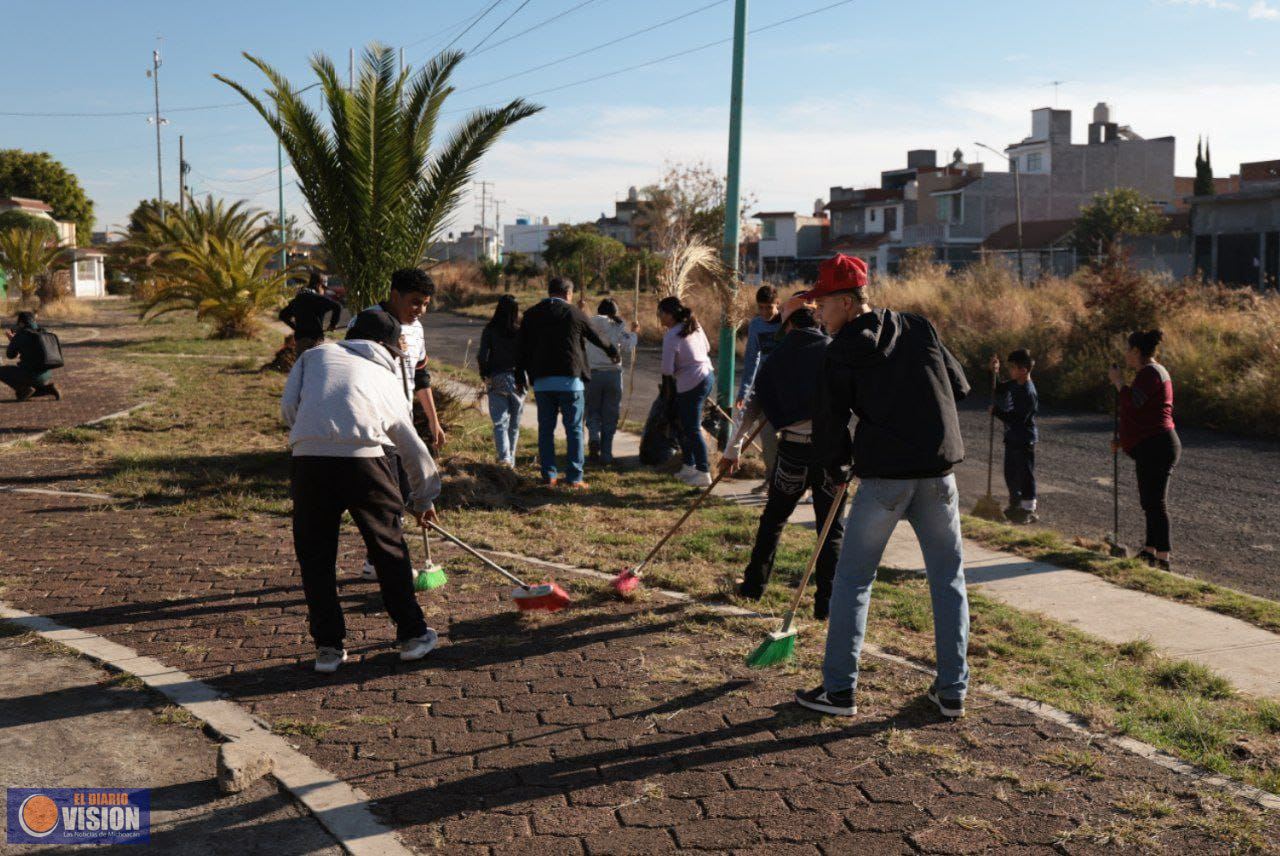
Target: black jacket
column 1016, row 406
column 787, row 382
column 499, row 352
column 306, row 313
column 891, row 371
column 551, row 341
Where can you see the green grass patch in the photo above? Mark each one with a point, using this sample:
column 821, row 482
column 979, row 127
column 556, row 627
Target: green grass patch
column 314, row 729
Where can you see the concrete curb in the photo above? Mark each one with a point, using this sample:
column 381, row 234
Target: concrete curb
column 340, row 808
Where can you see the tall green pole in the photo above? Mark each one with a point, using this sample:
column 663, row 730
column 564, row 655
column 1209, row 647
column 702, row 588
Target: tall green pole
column 284, row 252
column 725, row 369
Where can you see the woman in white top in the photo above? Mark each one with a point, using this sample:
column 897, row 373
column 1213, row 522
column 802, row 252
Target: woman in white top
column 686, row 360
column 604, row 390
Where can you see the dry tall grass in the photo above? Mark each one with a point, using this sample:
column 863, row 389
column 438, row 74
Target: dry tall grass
column 1221, row 345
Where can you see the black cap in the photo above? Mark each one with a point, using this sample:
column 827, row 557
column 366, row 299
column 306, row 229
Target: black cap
column 376, row 325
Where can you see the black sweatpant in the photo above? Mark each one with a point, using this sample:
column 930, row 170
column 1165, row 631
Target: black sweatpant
column 793, row 472
column 1155, row 458
column 1020, row 471
column 322, row 489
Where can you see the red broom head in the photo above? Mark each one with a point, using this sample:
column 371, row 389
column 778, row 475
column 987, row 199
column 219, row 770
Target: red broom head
column 626, row 582
column 547, row 597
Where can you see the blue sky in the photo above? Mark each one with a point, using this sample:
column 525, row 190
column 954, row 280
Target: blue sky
column 831, row 99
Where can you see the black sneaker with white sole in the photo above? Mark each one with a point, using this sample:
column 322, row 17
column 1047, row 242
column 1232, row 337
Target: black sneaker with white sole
column 951, row 708
column 836, row 704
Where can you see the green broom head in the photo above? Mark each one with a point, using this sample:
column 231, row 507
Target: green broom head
column 429, row 578
column 778, row 647
column 988, row 509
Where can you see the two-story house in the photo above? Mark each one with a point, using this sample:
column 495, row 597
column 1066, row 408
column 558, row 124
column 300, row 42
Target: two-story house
column 1237, row 235
column 790, row 244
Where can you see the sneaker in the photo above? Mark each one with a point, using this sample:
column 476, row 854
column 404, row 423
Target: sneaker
column 1147, row 558
column 24, row 393
column 368, row 572
column 578, row 485
column 763, row 487
column 1018, row 515
column 549, row 481
column 685, row 472
column 951, row 708
column 329, row 659
column 49, row 389
column 416, row 649
column 700, row 478
column 836, row 704
column 749, row 592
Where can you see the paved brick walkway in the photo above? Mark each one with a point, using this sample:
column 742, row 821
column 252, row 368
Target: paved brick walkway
column 91, row 385
column 609, row 728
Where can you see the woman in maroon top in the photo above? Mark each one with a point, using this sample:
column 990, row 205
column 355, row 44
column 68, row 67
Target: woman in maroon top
column 1147, row 435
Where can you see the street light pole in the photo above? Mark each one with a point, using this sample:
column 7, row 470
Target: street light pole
column 1017, row 194
column 732, row 195
column 284, row 252
column 155, row 81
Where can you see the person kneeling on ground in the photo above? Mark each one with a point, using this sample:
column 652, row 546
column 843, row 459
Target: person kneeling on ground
column 892, row 371
column 29, row 378
column 344, row 404
column 783, row 394
column 1016, row 406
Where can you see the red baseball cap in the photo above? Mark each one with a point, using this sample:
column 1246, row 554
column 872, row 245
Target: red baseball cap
column 838, row 275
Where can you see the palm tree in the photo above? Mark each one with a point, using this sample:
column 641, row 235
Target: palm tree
column 225, row 280
column 377, row 188
column 27, row 255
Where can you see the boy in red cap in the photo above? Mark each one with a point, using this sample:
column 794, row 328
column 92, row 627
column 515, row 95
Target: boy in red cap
column 891, row 371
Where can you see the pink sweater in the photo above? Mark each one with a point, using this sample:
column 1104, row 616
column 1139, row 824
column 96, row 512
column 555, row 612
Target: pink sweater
column 686, row 357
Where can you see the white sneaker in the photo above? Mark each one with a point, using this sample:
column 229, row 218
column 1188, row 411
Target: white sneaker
column 369, row 572
column 329, row 659
column 685, row 473
column 699, row 479
column 416, row 649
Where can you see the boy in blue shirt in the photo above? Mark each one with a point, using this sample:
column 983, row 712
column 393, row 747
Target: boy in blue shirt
column 1016, row 405
column 762, row 338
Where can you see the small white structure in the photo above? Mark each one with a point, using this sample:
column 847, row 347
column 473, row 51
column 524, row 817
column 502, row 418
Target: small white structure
column 527, row 238
column 88, row 273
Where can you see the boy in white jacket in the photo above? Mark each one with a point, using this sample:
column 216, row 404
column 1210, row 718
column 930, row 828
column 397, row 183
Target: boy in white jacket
column 345, row 406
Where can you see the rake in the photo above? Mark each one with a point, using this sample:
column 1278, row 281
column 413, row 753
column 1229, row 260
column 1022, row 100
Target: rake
column 780, row 645
column 1114, row 547
column 547, row 596
column 628, row 580
column 431, row 576
column 987, row 507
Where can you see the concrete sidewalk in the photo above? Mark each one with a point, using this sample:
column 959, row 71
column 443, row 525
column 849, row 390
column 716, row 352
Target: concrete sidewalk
column 1246, row 655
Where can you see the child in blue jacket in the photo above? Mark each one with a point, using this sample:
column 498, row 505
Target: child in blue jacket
column 1016, row 406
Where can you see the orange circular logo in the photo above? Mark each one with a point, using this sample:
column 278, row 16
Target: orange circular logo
column 38, row 815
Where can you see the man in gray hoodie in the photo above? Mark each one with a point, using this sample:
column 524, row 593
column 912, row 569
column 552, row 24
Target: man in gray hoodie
column 344, row 404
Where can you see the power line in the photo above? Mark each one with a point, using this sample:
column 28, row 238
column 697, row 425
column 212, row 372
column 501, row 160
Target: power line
column 109, row 114
column 501, row 25
column 598, row 47
column 438, row 33
column 478, row 19
column 536, row 26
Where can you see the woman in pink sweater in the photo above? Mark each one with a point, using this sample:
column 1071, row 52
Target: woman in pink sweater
column 686, row 362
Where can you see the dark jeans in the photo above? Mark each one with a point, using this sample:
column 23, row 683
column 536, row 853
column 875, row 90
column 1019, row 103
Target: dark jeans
column 1155, row 458
column 795, row 471
column 322, row 488
column 1020, row 471
column 689, row 412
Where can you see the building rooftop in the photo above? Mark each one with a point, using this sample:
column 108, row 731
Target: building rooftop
column 27, row 204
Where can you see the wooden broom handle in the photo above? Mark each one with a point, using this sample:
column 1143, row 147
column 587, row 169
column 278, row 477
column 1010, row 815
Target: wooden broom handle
column 475, row 553
column 817, row 551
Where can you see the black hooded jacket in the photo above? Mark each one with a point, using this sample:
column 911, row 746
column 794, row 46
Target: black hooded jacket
column 891, row 371
column 552, row 335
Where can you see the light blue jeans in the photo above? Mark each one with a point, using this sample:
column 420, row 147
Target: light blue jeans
column 550, row 406
column 505, row 407
column 932, row 507
column 604, row 400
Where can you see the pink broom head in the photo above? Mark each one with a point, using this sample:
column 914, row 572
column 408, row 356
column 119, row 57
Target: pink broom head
column 547, row 597
column 626, row 582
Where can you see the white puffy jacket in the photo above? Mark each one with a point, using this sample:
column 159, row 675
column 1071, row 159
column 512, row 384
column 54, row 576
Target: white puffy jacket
column 346, row 400
column 615, row 334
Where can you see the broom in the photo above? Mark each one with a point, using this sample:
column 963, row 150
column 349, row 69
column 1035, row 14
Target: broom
column 528, row 598
column 987, row 507
column 432, row 576
column 1114, row 547
column 631, row 372
column 628, row 580
column 780, row 645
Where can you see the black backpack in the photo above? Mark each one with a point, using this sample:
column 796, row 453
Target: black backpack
column 50, row 350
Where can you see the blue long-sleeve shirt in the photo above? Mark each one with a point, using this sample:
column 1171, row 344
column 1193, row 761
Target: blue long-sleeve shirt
column 1016, row 406
column 761, row 339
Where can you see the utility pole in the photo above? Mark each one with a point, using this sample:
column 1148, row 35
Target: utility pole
column 284, row 250
column 484, row 210
column 1017, row 203
column 497, row 229
column 732, row 195
column 182, row 177
column 155, row 81
column 351, row 69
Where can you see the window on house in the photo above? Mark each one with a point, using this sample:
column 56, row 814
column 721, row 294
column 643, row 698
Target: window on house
column 951, row 209
column 769, row 230
column 874, row 212
column 890, row 219
column 1035, row 162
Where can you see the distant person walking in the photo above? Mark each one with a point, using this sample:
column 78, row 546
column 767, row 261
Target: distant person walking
column 344, row 405
column 310, row 314
column 686, row 362
column 504, row 380
column 1148, row 435
column 763, row 335
column 604, row 390
column 552, row 356
column 32, row 377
